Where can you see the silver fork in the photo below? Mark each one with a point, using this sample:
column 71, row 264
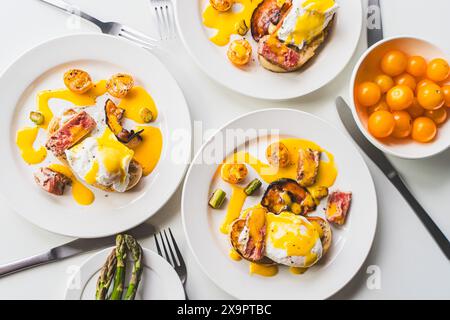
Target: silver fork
column 175, row 259
column 163, row 10
column 111, row 28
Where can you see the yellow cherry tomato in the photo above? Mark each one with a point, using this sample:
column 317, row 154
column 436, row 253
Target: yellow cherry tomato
column 430, row 96
column 417, row 66
column 407, row 80
column 239, row 52
column 416, row 110
column 424, row 129
column 384, row 82
column 403, row 124
column 394, row 63
column 221, row 5
column 446, row 92
column 438, row 70
column 423, row 83
column 400, row 97
column 381, row 124
column 368, row 94
column 382, row 105
column 439, row 116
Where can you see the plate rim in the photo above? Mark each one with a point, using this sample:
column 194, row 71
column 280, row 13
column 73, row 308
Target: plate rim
column 249, row 114
column 147, row 252
column 256, row 96
column 188, row 124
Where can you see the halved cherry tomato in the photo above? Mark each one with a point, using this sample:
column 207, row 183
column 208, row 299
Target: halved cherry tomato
column 415, row 110
column 417, row 66
column 403, row 124
column 400, row 97
column 239, row 52
column 384, row 82
column 438, row 70
column 438, row 116
column 382, row 105
column 431, row 97
column 381, row 124
column 424, row 129
column 446, row 92
column 394, row 63
column 407, row 80
column 368, row 94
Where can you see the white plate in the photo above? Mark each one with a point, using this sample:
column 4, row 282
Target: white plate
column 255, row 81
column 351, row 243
column 42, row 68
column 159, row 280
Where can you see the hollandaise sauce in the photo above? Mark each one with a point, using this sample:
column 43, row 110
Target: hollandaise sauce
column 263, row 270
column 234, row 255
column 148, row 152
column 297, row 270
column 229, row 22
column 86, row 99
column 80, row 193
column 25, row 140
column 133, row 103
column 234, row 208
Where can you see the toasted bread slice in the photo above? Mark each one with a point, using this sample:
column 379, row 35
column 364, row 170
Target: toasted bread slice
column 325, row 235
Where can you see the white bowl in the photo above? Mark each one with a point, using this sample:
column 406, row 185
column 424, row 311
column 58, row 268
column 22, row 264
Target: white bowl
column 364, row 70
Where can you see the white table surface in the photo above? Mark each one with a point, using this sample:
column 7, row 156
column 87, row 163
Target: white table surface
column 411, row 264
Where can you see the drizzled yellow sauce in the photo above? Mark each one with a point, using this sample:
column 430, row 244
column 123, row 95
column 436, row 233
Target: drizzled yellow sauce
column 263, row 270
column 227, row 23
column 134, row 101
column 81, row 194
column 234, row 255
column 86, row 99
column 234, row 208
column 25, row 139
column 148, row 152
column 297, row 270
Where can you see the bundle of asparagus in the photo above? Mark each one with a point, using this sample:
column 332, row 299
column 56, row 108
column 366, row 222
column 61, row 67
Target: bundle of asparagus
column 114, row 268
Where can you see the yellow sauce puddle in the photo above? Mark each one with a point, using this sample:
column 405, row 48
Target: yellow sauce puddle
column 80, row 193
column 263, row 270
column 81, row 100
column 234, row 209
column 296, row 270
column 134, row 101
column 226, row 23
column 148, row 152
column 25, row 139
column 234, row 255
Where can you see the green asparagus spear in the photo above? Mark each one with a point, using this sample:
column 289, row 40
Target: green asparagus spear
column 252, row 187
column 217, row 199
column 136, row 253
column 119, row 278
column 106, row 276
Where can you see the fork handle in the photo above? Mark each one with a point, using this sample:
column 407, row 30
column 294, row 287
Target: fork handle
column 69, row 8
column 26, row 263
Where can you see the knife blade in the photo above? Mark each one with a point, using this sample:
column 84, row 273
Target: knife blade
column 391, row 173
column 374, row 23
column 71, row 249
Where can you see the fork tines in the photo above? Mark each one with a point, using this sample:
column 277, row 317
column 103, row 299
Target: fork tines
column 164, row 13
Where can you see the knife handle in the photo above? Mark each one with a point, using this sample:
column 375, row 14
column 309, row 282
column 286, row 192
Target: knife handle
column 429, row 224
column 374, row 23
column 26, row 263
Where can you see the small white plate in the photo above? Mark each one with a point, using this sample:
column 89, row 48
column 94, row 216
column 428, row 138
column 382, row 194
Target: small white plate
column 351, row 242
column 254, row 80
column 102, row 56
column 159, row 280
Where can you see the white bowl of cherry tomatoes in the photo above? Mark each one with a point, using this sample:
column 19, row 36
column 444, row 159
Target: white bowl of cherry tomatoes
column 400, row 91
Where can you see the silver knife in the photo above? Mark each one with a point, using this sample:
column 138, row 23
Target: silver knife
column 374, row 23
column 391, row 173
column 71, row 249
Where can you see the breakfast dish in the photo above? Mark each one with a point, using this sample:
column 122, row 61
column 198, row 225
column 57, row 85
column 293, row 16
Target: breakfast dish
column 109, row 132
column 270, row 49
column 89, row 139
column 409, row 97
column 287, row 33
column 284, row 228
column 288, row 212
column 157, row 281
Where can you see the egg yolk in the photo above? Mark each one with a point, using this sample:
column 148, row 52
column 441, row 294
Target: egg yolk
column 25, row 139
